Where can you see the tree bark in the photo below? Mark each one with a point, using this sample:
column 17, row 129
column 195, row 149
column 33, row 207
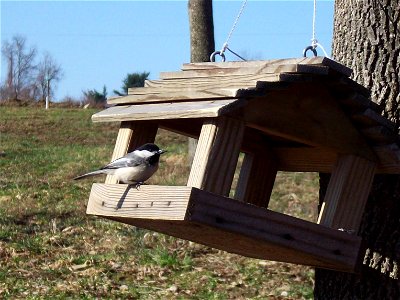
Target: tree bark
column 201, row 30
column 367, row 39
column 202, row 43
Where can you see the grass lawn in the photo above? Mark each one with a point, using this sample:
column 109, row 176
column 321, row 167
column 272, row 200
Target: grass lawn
column 50, row 249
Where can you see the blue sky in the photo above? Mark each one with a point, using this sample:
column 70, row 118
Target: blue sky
column 98, row 42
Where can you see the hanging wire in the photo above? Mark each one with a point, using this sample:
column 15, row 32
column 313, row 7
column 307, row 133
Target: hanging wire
column 225, row 45
column 314, row 41
column 235, row 23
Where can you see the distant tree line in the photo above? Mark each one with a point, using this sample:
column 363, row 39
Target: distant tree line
column 26, row 78
column 132, row 80
column 30, row 79
column 96, row 98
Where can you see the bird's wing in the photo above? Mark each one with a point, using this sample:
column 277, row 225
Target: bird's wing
column 124, row 162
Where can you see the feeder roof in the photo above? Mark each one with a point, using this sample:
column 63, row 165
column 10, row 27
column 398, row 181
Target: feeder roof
column 306, row 100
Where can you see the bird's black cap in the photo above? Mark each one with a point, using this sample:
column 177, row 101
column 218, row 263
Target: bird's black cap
column 149, row 147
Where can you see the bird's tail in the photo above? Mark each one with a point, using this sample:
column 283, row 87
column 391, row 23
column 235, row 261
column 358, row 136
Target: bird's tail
column 94, row 173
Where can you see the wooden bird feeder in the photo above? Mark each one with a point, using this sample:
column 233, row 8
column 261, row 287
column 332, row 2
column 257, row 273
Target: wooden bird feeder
column 300, row 114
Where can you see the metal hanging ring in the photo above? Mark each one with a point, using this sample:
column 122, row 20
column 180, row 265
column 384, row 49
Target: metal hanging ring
column 312, row 48
column 220, row 53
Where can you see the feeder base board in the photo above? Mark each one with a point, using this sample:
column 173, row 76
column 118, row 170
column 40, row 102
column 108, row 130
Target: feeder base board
column 227, row 224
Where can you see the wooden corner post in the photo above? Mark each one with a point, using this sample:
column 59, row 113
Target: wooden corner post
column 216, row 155
column 347, row 193
column 257, row 178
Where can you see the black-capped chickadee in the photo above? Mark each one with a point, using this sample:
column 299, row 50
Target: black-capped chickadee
column 134, row 168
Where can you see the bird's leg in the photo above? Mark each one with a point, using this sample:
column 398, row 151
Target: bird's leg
column 138, row 184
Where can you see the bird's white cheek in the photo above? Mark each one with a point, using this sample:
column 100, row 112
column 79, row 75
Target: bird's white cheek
column 143, row 153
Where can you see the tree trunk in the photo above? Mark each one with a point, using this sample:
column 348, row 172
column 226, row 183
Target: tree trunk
column 367, row 39
column 201, row 30
column 201, row 42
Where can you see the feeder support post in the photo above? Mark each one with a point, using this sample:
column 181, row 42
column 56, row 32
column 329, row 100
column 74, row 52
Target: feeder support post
column 347, row 193
column 216, row 155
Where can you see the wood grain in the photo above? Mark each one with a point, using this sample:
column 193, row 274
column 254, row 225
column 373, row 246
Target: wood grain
column 227, row 224
column 153, row 95
column 257, row 178
column 314, row 119
column 347, row 193
column 308, row 101
column 265, row 63
column 207, row 82
column 265, row 69
column 289, row 238
column 163, row 111
column 305, row 159
column 308, row 159
column 152, row 202
column 244, row 177
column 295, row 158
column 216, row 155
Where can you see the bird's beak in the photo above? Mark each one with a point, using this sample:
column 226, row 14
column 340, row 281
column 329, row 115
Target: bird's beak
column 161, row 151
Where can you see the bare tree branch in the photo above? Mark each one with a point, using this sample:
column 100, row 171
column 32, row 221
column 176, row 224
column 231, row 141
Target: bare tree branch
column 48, row 70
column 21, row 67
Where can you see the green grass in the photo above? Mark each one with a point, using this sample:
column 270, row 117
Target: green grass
column 50, row 249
